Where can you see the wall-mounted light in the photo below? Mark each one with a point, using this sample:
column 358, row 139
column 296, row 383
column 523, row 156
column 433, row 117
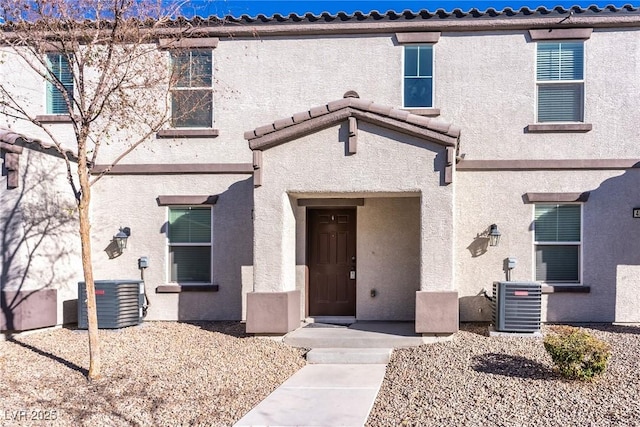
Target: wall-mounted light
column 494, row 235
column 121, row 238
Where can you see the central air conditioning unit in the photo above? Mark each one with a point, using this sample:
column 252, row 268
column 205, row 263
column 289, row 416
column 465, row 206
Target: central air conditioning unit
column 517, row 306
column 119, row 303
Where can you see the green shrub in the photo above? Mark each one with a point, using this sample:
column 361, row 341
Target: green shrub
column 576, row 354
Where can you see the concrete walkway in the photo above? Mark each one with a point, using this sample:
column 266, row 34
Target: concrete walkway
column 321, row 395
column 340, row 384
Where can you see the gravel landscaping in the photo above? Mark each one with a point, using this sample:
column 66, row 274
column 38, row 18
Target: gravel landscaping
column 480, row 381
column 211, row 374
column 155, row 374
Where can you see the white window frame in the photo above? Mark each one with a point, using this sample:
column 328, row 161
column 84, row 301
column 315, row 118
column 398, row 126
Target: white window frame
column 176, row 88
column 169, row 245
column 580, row 244
column 580, row 82
column 48, row 83
column 432, row 77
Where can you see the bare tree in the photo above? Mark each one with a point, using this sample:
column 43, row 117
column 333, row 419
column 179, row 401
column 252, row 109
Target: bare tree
column 110, row 78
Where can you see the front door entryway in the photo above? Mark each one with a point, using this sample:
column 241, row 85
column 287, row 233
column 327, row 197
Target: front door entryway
column 331, row 258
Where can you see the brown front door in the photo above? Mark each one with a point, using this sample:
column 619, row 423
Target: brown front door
column 331, row 257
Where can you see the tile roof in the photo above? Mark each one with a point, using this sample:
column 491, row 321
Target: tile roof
column 408, row 15
column 323, row 116
column 14, row 142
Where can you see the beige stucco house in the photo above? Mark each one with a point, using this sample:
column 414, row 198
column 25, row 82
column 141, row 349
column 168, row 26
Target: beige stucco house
column 351, row 166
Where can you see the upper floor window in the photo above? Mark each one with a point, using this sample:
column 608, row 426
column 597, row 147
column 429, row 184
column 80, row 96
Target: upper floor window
column 192, row 91
column 558, row 243
column 190, row 244
column 59, row 72
column 418, row 76
column 560, row 81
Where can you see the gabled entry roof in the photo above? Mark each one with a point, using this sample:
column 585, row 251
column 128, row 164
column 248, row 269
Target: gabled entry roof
column 324, row 116
column 14, row 142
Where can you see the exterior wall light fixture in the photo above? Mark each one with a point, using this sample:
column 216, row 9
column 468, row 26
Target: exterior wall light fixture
column 121, row 238
column 494, row 235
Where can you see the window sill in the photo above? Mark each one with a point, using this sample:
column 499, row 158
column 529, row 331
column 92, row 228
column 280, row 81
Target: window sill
column 566, row 289
column 430, row 112
column 54, row 118
column 187, row 133
column 178, row 289
column 558, row 127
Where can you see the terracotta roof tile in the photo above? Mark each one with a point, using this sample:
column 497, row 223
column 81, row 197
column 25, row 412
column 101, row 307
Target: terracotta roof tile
column 439, row 126
column 361, row 104
column 339, row 104
column 301, row 117
column 283, row 123
column 263, row 130
column 418, row 120
column 318, row 111
column 13, row 138
column 399, row 114
column 349, row 106
column 407, row 15
column 380, row 109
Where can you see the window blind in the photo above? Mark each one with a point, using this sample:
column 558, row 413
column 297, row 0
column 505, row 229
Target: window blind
column 59, row 69
column 560, row 103
column 189, row 225
column 554, row 225
column 560, row 75
column 560, row 61
column 557, row 223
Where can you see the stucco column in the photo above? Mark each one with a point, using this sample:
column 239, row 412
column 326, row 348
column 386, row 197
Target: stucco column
column 275, row 305
column 274, row 243
column 437, row 241
column 437, row 311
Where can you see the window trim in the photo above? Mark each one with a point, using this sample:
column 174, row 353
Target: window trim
column 191, row 131
column 169, row 245
column 432, row 77
column 550, row 126
column 580, row 245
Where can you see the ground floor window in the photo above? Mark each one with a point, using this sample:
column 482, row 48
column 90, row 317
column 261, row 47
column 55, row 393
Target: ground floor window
column 189, row 238
column 558, row 242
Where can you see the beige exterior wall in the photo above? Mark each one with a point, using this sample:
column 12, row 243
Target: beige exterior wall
column 131, row 202
column 406, row 208
column 484, row 83
column 491, row 94
column 38, row 233
column 388, row 258
column 610, row 261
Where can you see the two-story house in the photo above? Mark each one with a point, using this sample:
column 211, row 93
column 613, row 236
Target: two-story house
column 357, row 166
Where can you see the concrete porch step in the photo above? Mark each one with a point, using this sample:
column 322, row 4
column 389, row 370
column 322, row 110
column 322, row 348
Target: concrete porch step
column 332, row 320
column 357, row 335
column 355, row 356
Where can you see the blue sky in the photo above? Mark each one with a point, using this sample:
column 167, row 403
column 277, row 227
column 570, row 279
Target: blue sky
column 266, row 7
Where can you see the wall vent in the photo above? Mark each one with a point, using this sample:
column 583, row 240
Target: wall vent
column 517, row 306
column 119, row 303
